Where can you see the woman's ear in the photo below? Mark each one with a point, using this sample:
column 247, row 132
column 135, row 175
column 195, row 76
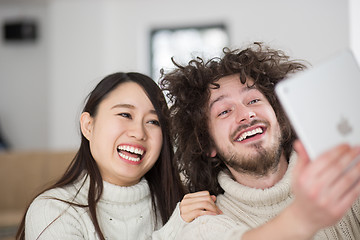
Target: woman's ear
column 86, row 125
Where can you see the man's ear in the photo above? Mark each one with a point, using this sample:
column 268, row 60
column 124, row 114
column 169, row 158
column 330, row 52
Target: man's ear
column 213, row 153
column 86, row 125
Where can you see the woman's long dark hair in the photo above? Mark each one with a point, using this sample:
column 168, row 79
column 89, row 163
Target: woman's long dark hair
column 163, row 178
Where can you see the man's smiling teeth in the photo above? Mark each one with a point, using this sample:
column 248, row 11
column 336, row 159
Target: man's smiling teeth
column 132, row 150
column 249, row 133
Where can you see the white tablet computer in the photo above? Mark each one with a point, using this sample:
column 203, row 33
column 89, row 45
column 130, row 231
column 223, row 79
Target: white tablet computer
column 323, row 103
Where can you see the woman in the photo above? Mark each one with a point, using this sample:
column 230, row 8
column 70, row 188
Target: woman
column 122, row 183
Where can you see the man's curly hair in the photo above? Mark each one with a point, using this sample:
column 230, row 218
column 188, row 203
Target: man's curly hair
column 188, row 89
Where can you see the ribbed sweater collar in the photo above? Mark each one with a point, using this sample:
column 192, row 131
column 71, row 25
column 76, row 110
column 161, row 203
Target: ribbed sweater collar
column 116, row 194
column 258, row 197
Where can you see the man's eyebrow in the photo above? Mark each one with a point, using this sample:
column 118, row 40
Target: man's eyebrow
column 217, row 100
column 221, row 97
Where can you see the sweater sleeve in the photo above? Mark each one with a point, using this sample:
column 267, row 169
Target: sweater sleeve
column 52, row 219
column 356, row 209
column 172, row 228
column 212, row 228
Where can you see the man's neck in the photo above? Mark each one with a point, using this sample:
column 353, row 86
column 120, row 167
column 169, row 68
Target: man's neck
column 262, row 182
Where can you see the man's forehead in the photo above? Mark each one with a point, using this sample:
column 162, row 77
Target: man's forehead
column 226, row 84
column 233, row 78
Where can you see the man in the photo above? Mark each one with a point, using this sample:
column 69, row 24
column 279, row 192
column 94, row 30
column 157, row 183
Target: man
column 234, row 140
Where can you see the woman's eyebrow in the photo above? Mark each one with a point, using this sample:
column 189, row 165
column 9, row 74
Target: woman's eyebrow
column 123, row 105
column 152, row 111
column 126, row 105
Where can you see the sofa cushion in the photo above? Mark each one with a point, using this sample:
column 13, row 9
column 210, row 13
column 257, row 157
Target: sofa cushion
column 25, row 174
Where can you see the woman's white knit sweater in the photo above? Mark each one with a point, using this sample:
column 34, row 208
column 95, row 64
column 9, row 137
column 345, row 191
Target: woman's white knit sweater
column 123, row 213
column 245, row 208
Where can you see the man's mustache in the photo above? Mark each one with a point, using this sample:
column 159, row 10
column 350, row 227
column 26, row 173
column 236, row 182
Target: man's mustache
column 244, row 126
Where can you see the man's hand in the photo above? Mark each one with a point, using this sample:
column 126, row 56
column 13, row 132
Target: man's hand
column 325, row 188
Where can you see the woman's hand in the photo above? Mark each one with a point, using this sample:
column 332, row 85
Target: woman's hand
column 198, row 204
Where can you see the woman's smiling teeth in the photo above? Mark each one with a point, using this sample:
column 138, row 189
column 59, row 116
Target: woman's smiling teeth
column 125, row 151
column 247, row 134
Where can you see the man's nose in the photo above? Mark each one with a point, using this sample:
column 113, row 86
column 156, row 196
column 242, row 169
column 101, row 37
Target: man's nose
column 244, row 114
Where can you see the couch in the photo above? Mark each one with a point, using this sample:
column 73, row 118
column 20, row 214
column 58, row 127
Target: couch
column 22, row 176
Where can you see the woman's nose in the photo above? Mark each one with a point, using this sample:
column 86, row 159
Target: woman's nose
column 137, row 131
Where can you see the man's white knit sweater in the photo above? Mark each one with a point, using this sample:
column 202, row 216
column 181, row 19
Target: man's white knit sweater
column 123, row 213
column 245, row 208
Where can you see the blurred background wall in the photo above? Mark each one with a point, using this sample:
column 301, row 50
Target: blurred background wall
column 43, row 83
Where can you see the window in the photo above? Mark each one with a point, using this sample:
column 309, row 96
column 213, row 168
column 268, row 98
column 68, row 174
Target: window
column 184, row 44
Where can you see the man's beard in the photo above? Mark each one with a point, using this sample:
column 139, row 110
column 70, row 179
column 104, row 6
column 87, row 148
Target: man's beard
column 260, row 164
